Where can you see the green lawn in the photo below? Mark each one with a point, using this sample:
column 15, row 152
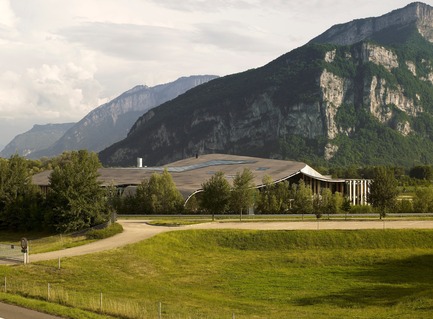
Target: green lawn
column 251, row 274
column 40, row 242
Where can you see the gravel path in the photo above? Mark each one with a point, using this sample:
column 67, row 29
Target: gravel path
column 138, row 230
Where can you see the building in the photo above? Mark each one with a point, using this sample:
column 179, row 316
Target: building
column 189, row 175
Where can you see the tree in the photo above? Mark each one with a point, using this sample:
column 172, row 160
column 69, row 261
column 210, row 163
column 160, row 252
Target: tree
column 423, row 199
column 405, row 206
column 422, row 172
column 267, row 200
column 243, row 191
column 383, row 190
column 303, row 199
column 159, row 195
column 216, row 194
column 338, row 202
column 76, row 200
column 19, row 198
column 324, row 203
column 282, row 194
column 273, row 198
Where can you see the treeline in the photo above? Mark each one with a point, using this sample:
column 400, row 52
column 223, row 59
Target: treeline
column 75, row 201
column 415, row 176
column 159, row 195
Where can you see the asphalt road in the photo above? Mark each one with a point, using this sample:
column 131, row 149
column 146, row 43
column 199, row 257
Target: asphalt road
column 14, row 312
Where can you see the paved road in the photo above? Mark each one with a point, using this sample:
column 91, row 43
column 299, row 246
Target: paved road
column 14, row 312
column 137, row 230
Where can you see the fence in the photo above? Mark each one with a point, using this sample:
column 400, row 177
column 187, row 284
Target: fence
column 98, row 302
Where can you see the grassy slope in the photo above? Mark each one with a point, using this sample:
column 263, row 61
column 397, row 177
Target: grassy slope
column 42, row 242
column 254, row 274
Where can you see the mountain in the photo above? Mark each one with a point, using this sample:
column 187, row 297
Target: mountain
column 110, row 123
column 360, row 93
column 38, row 138
column 416, row 15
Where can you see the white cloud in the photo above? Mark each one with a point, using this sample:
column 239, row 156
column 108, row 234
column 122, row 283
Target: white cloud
column 7, row 16
column 234, row 36
column 126, row 41
column 49, row 93
column 8, row 22
column 205, row 5
column 61, row 58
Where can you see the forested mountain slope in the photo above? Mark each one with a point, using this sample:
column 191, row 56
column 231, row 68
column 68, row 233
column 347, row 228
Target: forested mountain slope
column 366, row 100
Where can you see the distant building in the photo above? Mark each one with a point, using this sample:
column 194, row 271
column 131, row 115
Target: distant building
column 189, row 174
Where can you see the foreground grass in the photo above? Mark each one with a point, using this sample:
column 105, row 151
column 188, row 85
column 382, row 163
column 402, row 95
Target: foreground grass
column 252, row 274
column 43, row 242
column 50, row 308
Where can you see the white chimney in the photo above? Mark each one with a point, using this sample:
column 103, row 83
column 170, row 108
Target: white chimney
column 139, row 162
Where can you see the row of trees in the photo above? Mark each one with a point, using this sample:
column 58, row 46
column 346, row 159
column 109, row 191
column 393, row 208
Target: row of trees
column 156, row 195
column 75, row 201
column 159, row 195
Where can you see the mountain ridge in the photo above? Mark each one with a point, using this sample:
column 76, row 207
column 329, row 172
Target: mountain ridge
column 111, row 121
column 361, row 29
column 39, row 137
column 324, row 102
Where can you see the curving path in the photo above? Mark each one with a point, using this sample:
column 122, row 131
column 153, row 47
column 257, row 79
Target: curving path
column 15, row 312
column 137, row 230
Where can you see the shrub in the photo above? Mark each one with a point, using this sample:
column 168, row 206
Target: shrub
column 361, row 209
column 111, row 230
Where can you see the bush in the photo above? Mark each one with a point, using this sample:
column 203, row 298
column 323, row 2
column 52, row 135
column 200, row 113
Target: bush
column 361, row 209
column 404, row 206
column 111, row 230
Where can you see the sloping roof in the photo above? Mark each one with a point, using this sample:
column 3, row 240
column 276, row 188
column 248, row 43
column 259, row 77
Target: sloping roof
column 189, row 174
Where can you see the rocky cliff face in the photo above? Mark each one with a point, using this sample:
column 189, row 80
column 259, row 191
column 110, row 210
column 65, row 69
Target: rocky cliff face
column 377, row 95
column 111, row 122
column 417, row 13
column 347, row 101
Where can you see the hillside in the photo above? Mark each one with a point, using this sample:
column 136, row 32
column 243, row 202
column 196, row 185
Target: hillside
column 38, row 138
column 367, row 101
column 110, row 123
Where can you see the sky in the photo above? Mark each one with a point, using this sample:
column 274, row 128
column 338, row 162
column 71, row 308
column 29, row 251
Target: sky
column 59, row 59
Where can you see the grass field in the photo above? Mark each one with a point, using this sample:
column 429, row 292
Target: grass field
column 41, row 242
column 251, row 274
